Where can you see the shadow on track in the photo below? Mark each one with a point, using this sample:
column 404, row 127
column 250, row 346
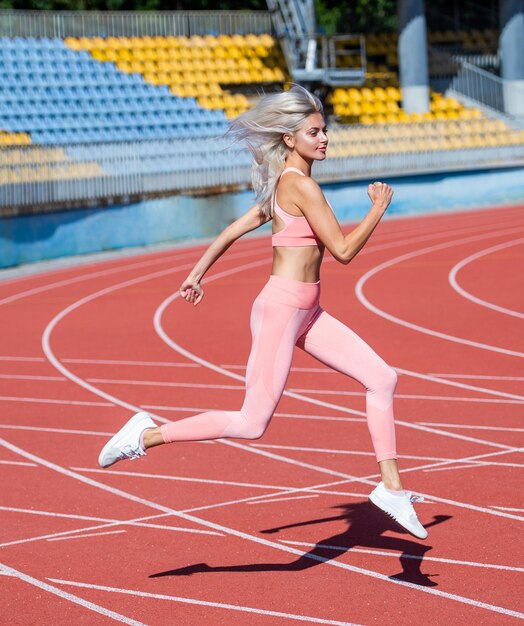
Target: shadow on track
column 365, row 527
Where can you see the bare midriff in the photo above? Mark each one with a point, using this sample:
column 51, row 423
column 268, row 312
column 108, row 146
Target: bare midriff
column 298, row 262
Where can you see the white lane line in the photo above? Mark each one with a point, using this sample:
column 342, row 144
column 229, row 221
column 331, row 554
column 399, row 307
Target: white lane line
column 179, row 409
column 138, row 521
column 153, row 383
column 507, row 508
column 359, row 453
column 106, row 522
column 313, row 370
column 65, row 431
column 61, row 379
column 477, row 376
column 338, row 451
column 194, row 601
column 253, row 538
column 466, row 459
column 75, row 516
column 206, row 481
column 68, row 596
column 137, row 363
column 474, row 426
column 319, row 392
column 452, row 278
column 456, row 467
column 28, row 359
column 443, row 381
column 310, row 489
column 108, row 532
column 359, row 291
column 408, row 396
column 192, row 409
column 20, row 463
column 308, row 496
column 41, row 359
column 396, row 555
column 97, row 274
column 53, row 401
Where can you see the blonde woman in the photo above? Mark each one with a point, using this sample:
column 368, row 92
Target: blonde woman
column 286, row 133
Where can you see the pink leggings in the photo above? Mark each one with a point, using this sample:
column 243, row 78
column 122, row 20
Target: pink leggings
column 287, row 313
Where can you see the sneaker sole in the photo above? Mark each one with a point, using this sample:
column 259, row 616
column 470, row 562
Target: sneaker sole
column 380, row 504
column 132, row 422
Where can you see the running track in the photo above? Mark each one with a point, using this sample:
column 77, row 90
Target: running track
column 279, row 530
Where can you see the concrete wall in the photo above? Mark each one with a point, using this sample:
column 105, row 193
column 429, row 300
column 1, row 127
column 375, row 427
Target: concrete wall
column 49, row 236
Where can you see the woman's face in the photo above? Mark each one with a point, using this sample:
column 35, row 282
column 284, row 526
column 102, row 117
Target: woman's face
column 311, row 140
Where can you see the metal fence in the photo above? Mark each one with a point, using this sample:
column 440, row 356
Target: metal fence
column 131, row 23
column 131, row 182
column 489, row 90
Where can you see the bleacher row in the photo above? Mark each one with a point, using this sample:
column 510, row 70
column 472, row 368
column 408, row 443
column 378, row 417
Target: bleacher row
column 193, row 66
column 94, row 90
column 422, row 136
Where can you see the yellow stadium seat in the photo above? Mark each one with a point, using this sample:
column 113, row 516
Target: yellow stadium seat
column 354, row 94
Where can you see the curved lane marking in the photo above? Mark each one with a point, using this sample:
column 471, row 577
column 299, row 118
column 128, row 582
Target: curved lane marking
column 52, row 358
column 58, row 365
column 359, row 290
column 452, row 277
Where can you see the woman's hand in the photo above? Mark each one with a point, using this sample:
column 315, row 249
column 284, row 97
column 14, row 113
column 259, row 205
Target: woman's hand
column 380, row 195
column 191, row 291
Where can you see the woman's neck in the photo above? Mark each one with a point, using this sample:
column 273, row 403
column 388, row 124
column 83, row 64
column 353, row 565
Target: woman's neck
column 299, row 164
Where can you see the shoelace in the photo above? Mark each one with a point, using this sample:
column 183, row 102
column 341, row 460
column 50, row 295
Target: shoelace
column 132, row 452
column 413, row 498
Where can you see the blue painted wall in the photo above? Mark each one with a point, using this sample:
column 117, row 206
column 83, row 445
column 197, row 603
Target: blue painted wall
column 34, row 238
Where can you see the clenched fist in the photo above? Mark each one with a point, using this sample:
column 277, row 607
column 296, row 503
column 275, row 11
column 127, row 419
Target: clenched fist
column 380, row 195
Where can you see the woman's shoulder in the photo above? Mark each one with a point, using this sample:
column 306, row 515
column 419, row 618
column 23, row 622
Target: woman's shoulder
column 301, row 183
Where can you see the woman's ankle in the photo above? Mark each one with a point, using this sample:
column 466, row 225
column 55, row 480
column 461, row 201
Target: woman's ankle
column 152, row 437
column 390, row 475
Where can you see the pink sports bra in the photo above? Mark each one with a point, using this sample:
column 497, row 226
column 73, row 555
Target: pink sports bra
column 296, row 231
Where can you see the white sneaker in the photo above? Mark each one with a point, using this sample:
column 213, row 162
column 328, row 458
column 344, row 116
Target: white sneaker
column 400, row 508
column 126, row 443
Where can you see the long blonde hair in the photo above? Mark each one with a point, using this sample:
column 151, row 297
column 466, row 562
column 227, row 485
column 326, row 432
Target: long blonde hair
column 262, row 129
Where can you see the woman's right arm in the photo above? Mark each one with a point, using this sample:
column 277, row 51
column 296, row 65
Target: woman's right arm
column 191, row 289
column 311, row 201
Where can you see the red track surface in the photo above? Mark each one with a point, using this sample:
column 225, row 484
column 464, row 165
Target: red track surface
column 83, row 347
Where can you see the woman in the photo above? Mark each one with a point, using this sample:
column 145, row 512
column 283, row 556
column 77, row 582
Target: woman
column 286, row 133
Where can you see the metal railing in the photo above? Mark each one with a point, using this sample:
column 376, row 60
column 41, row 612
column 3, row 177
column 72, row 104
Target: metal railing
column 485, row 88
column 131, row 23
column 126, row 179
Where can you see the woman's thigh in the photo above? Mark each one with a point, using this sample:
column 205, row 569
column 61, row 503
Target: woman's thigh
column 274, row 330
column 333, row 343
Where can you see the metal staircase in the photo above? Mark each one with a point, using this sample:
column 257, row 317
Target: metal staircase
column 313, row 58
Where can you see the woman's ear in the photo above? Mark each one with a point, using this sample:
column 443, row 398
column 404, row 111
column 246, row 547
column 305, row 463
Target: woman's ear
column 289, row 140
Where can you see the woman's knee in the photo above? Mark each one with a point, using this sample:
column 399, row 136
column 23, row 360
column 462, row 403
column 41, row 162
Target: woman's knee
column 250, row 426
column 386, row 380
column 255, row 431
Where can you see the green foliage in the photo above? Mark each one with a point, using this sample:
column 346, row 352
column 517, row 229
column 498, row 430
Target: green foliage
column 356, row 16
